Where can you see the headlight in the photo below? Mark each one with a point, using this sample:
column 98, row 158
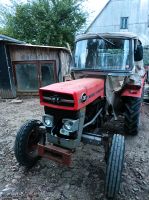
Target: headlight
column 70, row 125
column 47, row 120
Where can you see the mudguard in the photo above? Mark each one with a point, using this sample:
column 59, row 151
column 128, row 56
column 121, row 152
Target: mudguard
column 132, row 90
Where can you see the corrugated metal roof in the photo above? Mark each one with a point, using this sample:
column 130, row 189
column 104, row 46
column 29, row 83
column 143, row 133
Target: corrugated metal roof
column 21, row 43
column 9, row 39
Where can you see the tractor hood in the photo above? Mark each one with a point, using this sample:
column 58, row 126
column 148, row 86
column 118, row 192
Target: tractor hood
column 72, row 95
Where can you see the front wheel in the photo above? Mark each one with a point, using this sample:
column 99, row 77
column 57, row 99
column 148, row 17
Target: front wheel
column 114, row 166
column 26, row 142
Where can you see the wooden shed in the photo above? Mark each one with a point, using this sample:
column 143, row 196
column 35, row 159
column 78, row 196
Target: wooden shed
column 24, row 68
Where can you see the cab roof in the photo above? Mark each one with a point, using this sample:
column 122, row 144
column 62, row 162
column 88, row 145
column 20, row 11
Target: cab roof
column 126, row 35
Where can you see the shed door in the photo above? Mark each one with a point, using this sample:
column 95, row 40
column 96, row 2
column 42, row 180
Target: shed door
column 31, row 75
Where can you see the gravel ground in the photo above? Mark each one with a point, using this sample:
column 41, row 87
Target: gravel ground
column 84, row 180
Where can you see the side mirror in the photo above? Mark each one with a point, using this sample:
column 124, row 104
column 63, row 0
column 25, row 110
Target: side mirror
column 138, row 53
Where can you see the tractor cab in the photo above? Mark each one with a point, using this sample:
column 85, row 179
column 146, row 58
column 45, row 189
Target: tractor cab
column 107, row 53
column 116, row 58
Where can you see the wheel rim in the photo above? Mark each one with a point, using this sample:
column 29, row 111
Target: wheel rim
column 32, row 145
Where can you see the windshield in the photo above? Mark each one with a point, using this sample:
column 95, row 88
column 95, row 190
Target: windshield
column 100, row 54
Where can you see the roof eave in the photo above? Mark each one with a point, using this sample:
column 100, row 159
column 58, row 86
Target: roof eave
column 41, row 46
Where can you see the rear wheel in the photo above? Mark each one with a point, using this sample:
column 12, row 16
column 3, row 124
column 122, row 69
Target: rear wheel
column 132, row 115
column 114, row 166
column 26, row 142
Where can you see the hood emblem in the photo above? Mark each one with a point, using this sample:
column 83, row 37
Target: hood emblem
column 83, row 97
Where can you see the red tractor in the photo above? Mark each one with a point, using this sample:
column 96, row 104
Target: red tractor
column 105, row 81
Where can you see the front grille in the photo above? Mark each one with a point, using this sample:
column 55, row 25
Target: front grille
column 58, row 98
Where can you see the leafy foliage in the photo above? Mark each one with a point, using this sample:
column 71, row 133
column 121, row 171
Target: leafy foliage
column 46, row 22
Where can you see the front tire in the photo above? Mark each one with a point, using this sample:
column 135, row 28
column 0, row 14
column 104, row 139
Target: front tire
column 26, row 142
column 132, row 115
column 115, row 166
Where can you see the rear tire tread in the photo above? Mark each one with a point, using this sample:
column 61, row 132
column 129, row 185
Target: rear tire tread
column 132, row 114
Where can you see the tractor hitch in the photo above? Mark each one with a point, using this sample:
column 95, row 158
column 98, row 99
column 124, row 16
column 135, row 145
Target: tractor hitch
column 55, row 153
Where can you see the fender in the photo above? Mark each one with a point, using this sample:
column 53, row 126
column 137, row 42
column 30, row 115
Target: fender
column 132, row 91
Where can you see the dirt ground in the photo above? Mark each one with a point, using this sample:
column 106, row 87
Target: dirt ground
column 84, row 180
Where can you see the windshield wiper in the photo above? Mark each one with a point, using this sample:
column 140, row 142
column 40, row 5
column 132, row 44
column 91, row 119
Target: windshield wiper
column 105, row 39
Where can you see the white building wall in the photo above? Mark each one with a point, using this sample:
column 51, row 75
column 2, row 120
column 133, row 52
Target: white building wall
column 137, row 12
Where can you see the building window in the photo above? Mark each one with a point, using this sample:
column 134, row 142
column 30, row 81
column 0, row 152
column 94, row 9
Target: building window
column 48, row 75
column 27, row 77
column 124, row 23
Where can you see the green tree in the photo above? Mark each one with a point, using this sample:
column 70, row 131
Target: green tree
column 46, row 22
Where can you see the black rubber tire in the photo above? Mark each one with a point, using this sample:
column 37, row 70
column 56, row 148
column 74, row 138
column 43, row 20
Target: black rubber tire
column 23, row 138
column 132, row 115
column 115, row 166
